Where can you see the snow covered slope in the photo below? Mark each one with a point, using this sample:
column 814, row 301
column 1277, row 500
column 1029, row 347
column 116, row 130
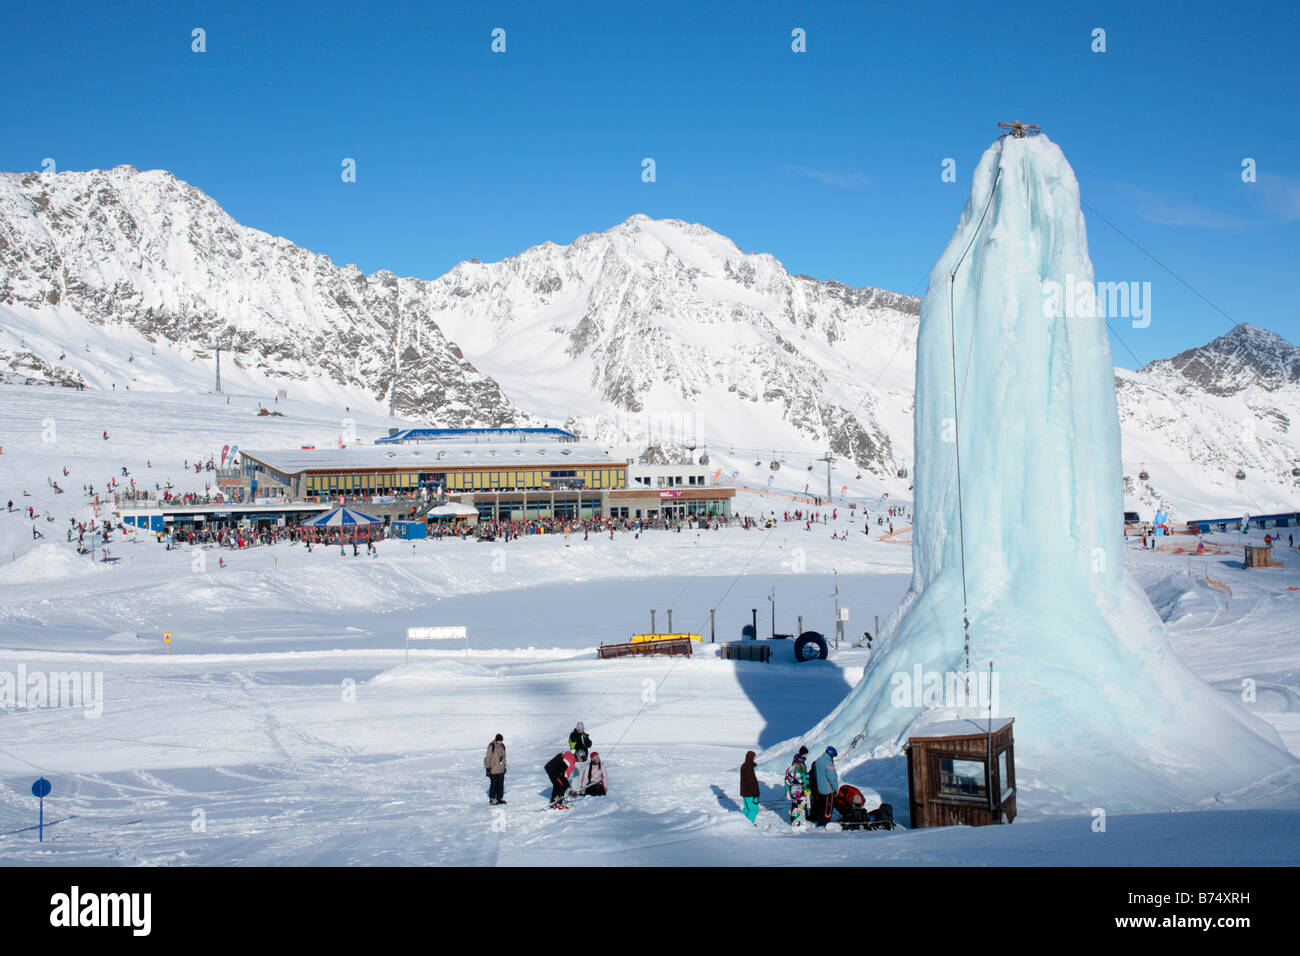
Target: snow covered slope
column 1019, row 508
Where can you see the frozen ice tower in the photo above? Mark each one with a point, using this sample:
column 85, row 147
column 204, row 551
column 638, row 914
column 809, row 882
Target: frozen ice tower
column 1105, row 712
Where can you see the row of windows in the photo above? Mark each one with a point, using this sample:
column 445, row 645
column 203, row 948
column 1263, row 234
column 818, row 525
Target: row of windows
column 470, row 480
column 488, row 509
column 668, row 481
column 405, row 481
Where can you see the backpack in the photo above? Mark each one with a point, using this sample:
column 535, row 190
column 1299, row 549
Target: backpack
column 849, row 798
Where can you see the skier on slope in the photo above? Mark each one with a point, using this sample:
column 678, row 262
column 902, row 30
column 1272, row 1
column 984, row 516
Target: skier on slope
column 825, row 781
column 557, row 770
column 796, row 789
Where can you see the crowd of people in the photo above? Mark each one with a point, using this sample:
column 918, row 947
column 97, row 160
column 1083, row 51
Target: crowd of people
column 573, row 773
column 90, row 518
column 810, row 790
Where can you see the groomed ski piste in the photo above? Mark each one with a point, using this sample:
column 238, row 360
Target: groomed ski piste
column 284, row 725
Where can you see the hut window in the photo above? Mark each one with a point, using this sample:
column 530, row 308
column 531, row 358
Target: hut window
column 1004, row 781
column 962, row 778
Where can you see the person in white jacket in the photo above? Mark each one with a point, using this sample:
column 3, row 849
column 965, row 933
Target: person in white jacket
column 595, row 782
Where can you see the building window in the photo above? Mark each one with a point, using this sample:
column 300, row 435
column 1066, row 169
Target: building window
column 962, row 778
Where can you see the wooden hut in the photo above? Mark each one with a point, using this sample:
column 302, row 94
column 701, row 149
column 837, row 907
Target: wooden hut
column 1260, row 556
column 951, row 779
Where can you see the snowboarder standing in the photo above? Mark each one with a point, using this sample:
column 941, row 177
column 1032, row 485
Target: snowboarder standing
column 494, row 762
column 557, row 770
column 749, row 791
column 825, row 781
column 796, row 789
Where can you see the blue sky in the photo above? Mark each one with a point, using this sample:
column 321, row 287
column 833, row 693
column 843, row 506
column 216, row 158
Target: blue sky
column 829, row 160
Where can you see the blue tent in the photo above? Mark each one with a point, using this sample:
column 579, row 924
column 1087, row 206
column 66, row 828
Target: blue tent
column 342, row 517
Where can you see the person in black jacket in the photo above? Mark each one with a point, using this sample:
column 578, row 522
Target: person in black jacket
column 557, row 770
column 578, row 740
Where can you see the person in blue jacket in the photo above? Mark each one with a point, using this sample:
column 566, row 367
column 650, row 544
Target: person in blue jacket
column 825, row 781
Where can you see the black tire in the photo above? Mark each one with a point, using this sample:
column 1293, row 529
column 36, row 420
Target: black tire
column 810, row 646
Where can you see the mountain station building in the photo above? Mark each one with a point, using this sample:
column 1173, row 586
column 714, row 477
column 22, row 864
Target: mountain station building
column 505, row 474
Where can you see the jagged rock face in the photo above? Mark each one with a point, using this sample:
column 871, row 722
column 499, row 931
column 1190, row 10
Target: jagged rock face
column 24, row 367
column 149, row 251
column 1247, row 357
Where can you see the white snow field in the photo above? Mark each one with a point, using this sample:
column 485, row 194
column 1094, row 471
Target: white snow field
column 285, row 727
column 1083, row 661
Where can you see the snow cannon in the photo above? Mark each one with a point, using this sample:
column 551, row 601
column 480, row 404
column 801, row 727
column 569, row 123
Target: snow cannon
column 810, row 646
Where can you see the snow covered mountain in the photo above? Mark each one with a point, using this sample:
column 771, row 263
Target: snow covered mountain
column 666, row 329
column 1193, row 422
column 144, row 250
column 652, row 332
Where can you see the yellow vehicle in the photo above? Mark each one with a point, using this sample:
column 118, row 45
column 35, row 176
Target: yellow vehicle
column 648, row 638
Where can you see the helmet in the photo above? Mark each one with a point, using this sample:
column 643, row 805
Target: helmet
column 832, row 751
column 579, row 727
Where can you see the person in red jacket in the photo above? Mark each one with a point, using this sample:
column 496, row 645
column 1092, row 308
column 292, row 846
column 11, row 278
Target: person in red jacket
column 557, row 770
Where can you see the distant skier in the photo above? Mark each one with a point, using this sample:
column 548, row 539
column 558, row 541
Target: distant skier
column 825, row 781
column 494, row 762
column 796, row 789
column 578, row 740
column 557, row 770
column 749, row 791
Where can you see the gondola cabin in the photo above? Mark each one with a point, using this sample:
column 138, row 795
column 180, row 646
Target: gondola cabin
column 951, row 780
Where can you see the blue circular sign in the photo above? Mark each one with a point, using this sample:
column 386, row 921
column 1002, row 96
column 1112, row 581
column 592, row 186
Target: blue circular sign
column 41, row 788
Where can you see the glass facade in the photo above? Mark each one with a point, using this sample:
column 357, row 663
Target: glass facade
column 461, row 480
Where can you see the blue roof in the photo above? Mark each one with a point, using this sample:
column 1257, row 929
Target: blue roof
column 445, row 434
column 1289, row 515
